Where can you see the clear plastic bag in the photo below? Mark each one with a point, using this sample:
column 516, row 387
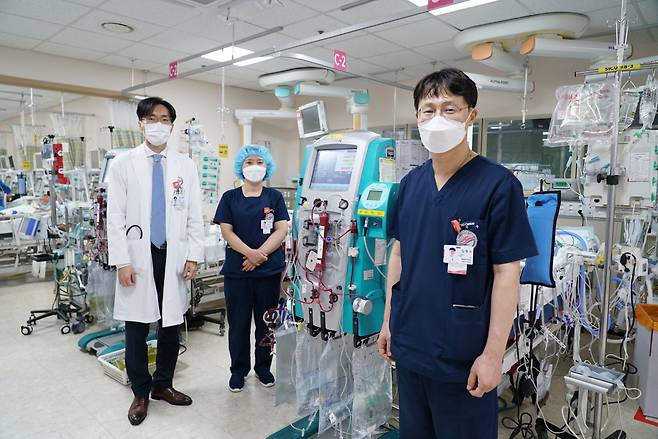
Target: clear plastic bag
column 336, row 382
column 100, row 293
column 628, row 105
column 649, row 102
column 307, row 372
column 373, row 391
column 286, row 343
column 583, row 111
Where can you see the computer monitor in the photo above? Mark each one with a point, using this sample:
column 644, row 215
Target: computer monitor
column 332, row 170
column 312, row 120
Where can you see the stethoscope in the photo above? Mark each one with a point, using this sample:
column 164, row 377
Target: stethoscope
column 141, row 233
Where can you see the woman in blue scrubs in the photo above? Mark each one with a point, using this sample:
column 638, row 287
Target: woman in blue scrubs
column 254, row 223
column 453, row 277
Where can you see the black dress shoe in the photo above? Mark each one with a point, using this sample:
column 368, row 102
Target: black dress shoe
column 138, row 410
column 172, row 396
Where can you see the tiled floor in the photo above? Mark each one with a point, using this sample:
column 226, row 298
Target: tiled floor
column 50, row 389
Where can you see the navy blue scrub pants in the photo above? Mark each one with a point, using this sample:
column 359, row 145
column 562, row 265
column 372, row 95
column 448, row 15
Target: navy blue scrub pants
column 247, row 297
column 136, row 349
column 431, row 409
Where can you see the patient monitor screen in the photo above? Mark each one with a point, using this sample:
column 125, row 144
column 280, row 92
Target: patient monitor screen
column 311, row 119
column 332, row 170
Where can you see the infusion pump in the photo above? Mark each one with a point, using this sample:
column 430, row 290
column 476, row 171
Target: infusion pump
column 638, row 169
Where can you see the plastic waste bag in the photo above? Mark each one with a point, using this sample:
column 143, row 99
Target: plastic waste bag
column 373, row 391
column 336, row 382
column 307, row 372
column 286, row 342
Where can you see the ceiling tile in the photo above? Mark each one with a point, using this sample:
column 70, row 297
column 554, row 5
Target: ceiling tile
column 277, row 65
column 370, row 11
column 362, row 45
column 441, row 51
column 69, row 51
column 324, row 5
column 92, row 3
column 603, row 20
column 124, row 61
column 489, row 13
column 274, row 40
column 214, row 26
column 421, row 70
column 19, row 42
column 27, row 27
column 275, row 15
column 58, row 11
column 399, row 59
column 159, row 12
column 648, row 11
column 90, row 40
column 310, row 27
column 149, row 53
column 92, row 22
column 181, row 41
column 423, row 32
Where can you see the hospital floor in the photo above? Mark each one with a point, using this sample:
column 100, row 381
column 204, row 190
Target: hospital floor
column 50, row 389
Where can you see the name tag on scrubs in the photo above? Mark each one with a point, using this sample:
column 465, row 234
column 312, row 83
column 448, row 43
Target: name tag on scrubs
column 458, row 258
column 268, row 223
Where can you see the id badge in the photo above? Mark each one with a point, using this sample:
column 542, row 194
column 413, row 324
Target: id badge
column 458, row 254
column 266, row 226
column 179, row 201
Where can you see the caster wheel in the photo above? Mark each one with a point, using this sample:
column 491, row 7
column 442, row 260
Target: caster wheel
column 222, row 332
column 89, row 318
column 26, row 330
column 65, row 329
column 33, row 319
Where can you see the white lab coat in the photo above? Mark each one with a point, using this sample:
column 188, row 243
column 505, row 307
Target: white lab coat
column 129, row 203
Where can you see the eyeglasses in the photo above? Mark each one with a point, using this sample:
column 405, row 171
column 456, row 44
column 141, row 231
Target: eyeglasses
column 154, row 119
column 428, row 112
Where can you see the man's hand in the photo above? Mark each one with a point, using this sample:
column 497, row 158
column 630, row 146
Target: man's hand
column 256, row 257
column 486, row 374
column 189, row 271
column 127, row 276
column 384, row 343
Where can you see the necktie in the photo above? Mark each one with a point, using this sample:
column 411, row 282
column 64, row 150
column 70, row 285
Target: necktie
column 158, row 223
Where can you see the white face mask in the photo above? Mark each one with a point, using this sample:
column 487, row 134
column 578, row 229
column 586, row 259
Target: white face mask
column 441, row 134
column 254, row 173
column 157, row 133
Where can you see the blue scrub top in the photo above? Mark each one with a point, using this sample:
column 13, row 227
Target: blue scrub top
column 245, row 215
column 429, row 335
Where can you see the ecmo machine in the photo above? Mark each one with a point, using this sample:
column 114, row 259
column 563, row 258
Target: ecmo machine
column 340, row 230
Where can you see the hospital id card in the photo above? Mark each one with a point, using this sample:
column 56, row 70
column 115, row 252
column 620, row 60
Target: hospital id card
column 266, row 226
column 458, row 254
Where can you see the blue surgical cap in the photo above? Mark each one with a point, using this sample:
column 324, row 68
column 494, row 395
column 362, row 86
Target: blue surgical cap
column 251, row 151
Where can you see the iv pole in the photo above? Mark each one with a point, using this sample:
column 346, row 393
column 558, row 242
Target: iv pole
column 611, row 180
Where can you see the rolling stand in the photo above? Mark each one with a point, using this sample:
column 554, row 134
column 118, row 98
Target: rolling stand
column 65, row 306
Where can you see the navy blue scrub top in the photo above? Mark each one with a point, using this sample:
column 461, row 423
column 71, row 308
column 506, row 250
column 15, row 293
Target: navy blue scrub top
column 245, row 215
column 429, row 335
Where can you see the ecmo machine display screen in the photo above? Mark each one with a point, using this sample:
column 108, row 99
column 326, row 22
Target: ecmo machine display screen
column 332, row 170
column 311, row 120
column 375, row 195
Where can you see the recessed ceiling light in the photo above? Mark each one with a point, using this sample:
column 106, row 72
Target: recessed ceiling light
column 234, row 52
column 117, row 28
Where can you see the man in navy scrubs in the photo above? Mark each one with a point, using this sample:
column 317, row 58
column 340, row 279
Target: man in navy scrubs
column 461, row 231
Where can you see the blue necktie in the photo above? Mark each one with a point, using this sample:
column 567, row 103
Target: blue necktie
column 158, row 223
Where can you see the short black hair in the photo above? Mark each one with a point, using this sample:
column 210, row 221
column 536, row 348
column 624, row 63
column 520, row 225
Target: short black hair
column 452, row 249
column 146, row 106
column 449, row 80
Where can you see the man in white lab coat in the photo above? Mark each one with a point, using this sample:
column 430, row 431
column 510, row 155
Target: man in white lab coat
column 155, row 235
